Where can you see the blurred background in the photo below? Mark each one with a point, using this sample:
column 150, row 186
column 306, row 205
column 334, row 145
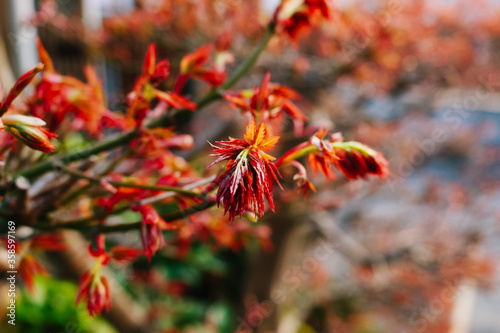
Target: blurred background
column 418, row 252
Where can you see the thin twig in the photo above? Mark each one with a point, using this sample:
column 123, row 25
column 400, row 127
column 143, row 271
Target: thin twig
column 96, row 180
column 84, row 223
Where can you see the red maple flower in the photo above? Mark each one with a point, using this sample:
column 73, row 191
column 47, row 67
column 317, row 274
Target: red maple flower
column 295, row 17
column 250, row 172
column 194, row 65
column 144, row 89
column 356, row 160
column 94, row 289
column 57, row 95
column 353, row 159
column 151, row 229
column 29, row 267
column 269, row 101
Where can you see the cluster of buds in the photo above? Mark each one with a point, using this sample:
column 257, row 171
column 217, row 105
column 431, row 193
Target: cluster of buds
column 295, row 17
column 145, row 89
column 152, row 229
column 353, row 159
column 194, row 65
column 268, row 102
column 94, row 287
column 56, row 96
column 30, row 130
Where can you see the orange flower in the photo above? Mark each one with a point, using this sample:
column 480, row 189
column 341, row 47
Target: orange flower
column 250, row 172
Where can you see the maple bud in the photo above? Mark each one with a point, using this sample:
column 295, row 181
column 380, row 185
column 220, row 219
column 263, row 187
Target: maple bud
column 151, row 229
column 355, row 160
column 296, row 16
column 94, row 288
column 30, row 131
column 19, row 86
column 28, row 269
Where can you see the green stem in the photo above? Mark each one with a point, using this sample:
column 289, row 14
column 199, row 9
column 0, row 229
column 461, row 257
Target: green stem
column 93, row 149
column 96, row 180
column 310, row 148
column 122, row 139
column 84, row 223
column 126, row 226
column 168, row 217
column 246, row 65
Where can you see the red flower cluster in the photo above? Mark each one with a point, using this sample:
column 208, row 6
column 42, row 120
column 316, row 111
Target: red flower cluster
column 353, row 159
column 194, row 64
column 295, row 17
column 269, row 102
column 250, row 172
column 356, row 160
column 94, row 287
column 57, row 95
column 18, row 87
column 28, row 129
column 144, row 89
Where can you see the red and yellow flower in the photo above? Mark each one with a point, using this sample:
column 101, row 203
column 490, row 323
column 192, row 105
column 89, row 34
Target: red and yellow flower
column 250, row 172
